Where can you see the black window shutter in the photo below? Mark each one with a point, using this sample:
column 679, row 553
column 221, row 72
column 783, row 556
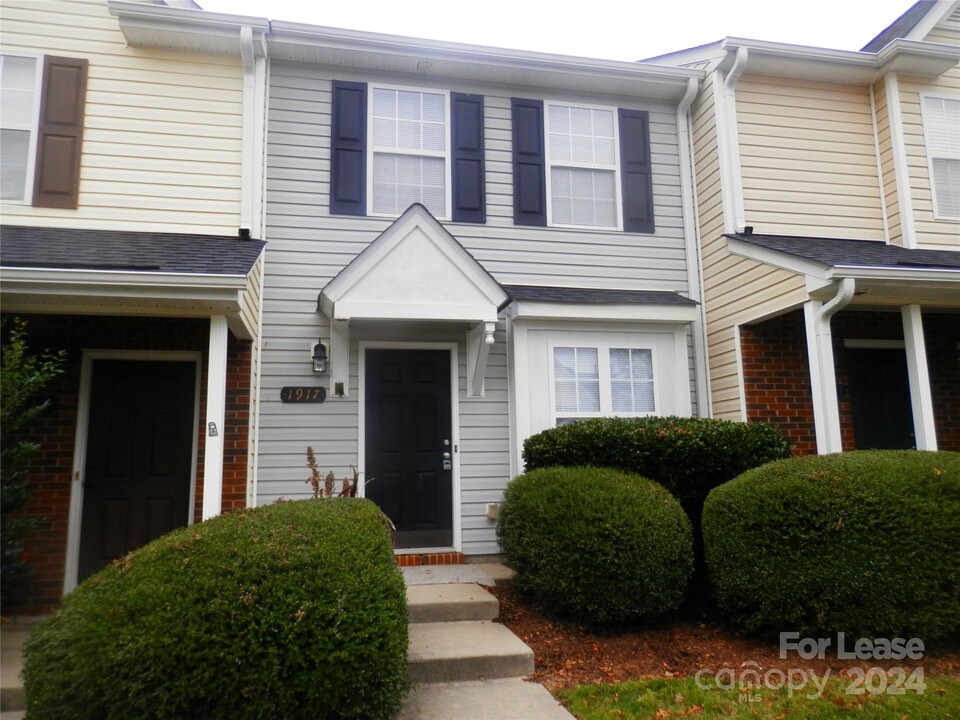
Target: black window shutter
column 635, row 171
column 529, row 163
column 348, row 149
column 469, row 201
column 60, row 138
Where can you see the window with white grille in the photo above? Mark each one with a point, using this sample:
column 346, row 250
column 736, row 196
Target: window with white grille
column 602, row 381
column 941, row 129
column 409, row 150
column 582, row 156
column 19, row 103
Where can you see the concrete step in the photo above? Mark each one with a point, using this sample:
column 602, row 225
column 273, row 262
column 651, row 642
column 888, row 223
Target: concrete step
column 508, row 699
column 13, row 635
column 461, row 651
column 450, row 603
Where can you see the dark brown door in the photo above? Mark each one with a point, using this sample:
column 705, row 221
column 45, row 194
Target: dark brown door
column 139, row 457
column 409, row 451
column 880, row 399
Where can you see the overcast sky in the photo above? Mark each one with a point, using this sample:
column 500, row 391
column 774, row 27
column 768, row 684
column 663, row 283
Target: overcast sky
column 612, row 30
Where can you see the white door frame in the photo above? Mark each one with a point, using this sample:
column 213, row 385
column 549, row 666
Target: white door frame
column 454, row 350
column 75, row 513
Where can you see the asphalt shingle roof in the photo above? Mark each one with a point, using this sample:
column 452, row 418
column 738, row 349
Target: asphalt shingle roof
column 594, row 296
column 900, row 27
column 65, row 248
column 854, row 253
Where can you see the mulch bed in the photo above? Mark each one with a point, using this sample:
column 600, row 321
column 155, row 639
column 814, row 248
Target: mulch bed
column 568, row 655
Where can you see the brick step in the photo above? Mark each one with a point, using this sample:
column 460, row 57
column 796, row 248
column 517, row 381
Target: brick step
column 463, row 651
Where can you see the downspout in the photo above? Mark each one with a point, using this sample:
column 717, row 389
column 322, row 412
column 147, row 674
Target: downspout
column 691, row 236
column 901, row 168
column 830, row 441
column 734, row 216
column 247, row 147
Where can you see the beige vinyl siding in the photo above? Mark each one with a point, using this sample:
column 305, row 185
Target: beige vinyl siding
column 162, row 129
column 931, row 232
column 308, row 247
column 808, row 158
column 736, row 290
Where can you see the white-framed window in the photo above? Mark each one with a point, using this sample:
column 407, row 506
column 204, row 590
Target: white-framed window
column 941, row 130
column 602, row 380
column 408, row 150
column 583, row 186
column 19, row 112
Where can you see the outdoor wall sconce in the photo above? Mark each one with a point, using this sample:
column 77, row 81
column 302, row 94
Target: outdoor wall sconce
column 319, row 358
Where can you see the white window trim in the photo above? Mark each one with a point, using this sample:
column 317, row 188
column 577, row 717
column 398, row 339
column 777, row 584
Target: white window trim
column 445, row 155
column 606, row 381
column 617, row 190
column 937, row 215
column 34, row 129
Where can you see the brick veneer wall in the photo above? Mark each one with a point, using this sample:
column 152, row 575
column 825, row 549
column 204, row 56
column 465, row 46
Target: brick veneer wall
column 776, row 378
column 777, row 381
column 50, row 472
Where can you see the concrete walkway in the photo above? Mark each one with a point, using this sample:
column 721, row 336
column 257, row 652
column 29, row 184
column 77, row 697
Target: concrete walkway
column 462, row 664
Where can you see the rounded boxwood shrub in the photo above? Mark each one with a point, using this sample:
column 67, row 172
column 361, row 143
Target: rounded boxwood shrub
column 294, row 610
column 866, row 543
column 596, row 545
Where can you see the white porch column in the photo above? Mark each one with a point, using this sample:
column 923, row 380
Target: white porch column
column 216, row 405
column 921, row 399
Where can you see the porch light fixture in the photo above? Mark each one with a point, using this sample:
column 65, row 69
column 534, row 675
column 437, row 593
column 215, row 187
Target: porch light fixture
column 319, row 358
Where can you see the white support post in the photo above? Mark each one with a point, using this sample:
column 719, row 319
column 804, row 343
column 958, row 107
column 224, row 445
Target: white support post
column 216, row 411
column 921, row 399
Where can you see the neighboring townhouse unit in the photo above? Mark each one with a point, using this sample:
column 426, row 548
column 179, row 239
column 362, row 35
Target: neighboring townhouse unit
column 484, row 243
column 828, row 192
column 126, row 242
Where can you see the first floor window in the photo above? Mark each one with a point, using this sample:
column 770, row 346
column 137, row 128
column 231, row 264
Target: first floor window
column 593, row 382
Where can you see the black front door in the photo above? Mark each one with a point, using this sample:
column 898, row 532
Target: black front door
column 139, row 457
column 409, row 447
column 880, row 399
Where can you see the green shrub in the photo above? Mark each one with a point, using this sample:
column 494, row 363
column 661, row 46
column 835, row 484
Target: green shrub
column 867, row 543
column 688, row 456
column 596, row 545
column 293, row 610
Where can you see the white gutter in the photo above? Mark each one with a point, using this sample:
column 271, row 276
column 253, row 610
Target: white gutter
column 691, row 237
column 823, row 375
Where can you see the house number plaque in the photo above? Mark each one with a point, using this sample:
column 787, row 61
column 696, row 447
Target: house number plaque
column 302, row 394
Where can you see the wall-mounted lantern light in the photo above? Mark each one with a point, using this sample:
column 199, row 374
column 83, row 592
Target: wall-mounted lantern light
column 319, row 358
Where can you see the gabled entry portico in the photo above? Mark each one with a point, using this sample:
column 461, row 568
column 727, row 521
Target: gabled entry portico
column 407, row 304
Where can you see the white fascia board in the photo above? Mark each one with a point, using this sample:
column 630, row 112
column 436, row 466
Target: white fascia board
column 633, row 312
column 359, row 310
column 913, row 275
column 937, row 12
column 120, row 278
column 790, row 263
column 289, row 40
column 922, row 59
column 147, row 25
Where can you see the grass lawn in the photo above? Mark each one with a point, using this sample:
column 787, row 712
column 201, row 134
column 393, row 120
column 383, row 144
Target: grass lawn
column 662, row 698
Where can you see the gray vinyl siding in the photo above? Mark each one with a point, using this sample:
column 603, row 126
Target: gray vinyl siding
column 308, row 247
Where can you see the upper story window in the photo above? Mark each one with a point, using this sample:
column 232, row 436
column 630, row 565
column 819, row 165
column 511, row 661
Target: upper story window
column 941, row 120
column 19, row 107
column 596, row 381
column 409, row 147
column 392, row 147
column 42, row 101
column 581, row 166
column 582, row 154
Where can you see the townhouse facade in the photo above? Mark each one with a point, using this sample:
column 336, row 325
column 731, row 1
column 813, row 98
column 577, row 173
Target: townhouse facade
column 829, row 223
column 126, row 241
column 256, row 237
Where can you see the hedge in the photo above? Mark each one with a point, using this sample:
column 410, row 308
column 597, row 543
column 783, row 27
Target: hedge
column 866, row 543
column 294, row 610
column 596, row 545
